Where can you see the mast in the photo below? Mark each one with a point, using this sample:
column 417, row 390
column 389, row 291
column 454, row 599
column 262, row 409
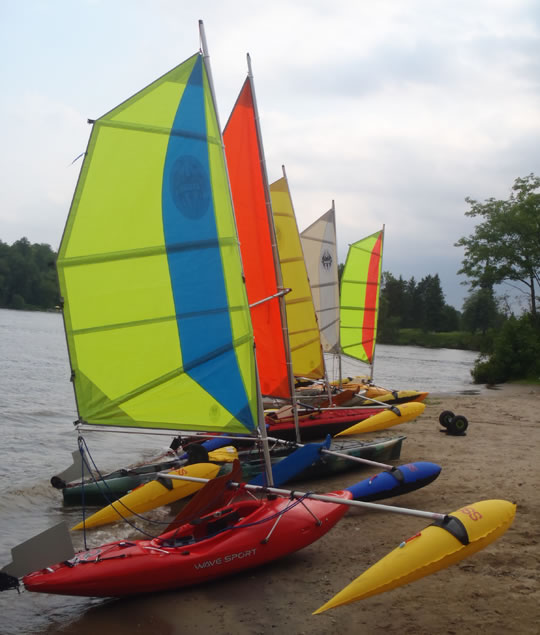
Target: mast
column 260, row 408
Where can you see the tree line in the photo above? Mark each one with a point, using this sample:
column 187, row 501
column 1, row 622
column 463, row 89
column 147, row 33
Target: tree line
column 28, row 276
column 504, row 247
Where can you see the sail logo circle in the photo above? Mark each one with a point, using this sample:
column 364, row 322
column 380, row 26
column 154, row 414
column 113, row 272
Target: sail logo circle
column 190, row 188
column 326, row 259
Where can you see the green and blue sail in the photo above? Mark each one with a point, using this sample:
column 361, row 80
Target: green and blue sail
column 156, row 313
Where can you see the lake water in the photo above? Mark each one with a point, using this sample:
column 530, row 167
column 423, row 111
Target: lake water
column 37, row 408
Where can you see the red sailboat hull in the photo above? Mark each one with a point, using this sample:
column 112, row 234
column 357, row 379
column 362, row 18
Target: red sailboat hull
column 316, row 424
column 255, row 533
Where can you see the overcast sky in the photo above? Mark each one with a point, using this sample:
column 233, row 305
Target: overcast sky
column 396, row 109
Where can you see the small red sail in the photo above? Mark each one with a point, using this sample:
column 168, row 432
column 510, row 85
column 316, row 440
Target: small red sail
column 372, row 295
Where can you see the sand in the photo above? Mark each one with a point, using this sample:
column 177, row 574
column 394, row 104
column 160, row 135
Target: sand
column 495, row 591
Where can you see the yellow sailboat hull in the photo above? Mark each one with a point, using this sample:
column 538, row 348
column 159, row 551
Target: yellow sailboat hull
column 411, row 395
column 151, row 495
column 386, row 419
column 429, row 551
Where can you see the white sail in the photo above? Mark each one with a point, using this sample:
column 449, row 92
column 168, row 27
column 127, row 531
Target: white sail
column 320, row 252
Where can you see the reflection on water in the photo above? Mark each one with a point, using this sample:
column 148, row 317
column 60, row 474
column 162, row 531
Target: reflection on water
column 37, row 410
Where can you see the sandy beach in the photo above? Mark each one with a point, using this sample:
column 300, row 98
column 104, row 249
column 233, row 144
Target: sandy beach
column 495, row 591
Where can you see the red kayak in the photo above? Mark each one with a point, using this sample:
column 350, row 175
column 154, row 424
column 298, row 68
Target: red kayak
column 236, row 537
column 316, row 424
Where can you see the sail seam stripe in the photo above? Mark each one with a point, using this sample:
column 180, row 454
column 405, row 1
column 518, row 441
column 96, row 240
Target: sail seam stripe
column 330, row 324
column 330, row 308
column 297, row 301
column 159, row 130
column 304, row 344
column 370, row 282
column 167, row 318
column 147, row 252
column 318, row 240
column 361, row 342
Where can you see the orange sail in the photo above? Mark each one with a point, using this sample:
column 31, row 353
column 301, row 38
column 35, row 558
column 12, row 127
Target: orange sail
column 251, row 205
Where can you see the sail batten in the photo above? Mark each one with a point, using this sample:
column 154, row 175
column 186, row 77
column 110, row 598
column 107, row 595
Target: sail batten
column 169, row 318
column 186, row 134
column 147, row 252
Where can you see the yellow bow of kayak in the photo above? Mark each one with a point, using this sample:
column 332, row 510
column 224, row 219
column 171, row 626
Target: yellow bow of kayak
column 386, row 419
column 151, row 495
column 431, row 550
column 387, row 396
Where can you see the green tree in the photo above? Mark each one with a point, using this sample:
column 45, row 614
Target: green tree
column 515, row 353
column 28, row 276
column 433, row 303
column 480, row 311
column 505, row 246
column 451, row 319
column 4, row 272
column 415, row 314
column 393, row 298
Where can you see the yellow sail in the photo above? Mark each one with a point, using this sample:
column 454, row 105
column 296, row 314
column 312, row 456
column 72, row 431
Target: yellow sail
column 156, row 313
column 304, row 336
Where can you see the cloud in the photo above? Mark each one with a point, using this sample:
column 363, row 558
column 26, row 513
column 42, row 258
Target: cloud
column 397, row 111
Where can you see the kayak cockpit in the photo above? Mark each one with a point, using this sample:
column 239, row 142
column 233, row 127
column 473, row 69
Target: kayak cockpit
column 208, row 526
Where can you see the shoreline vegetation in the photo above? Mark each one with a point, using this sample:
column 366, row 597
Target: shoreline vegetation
column 428, row 339
column 410, row 314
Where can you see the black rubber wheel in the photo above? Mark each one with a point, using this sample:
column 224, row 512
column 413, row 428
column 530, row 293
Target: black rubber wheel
column 445, row 418
column 458, row 425
column 196, row 454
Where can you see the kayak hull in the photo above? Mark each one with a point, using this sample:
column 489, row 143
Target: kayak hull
column 317, row 424
column 192, row 554
column 386, row 419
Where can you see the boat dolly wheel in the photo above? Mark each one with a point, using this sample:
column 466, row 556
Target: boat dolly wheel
column 445, row 418
column 457, row 426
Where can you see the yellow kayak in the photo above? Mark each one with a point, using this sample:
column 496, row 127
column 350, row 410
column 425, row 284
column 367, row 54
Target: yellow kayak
column 395, row 396
column 154, row 494
column 386, row 419
column 378, row 392
column 429, row 551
